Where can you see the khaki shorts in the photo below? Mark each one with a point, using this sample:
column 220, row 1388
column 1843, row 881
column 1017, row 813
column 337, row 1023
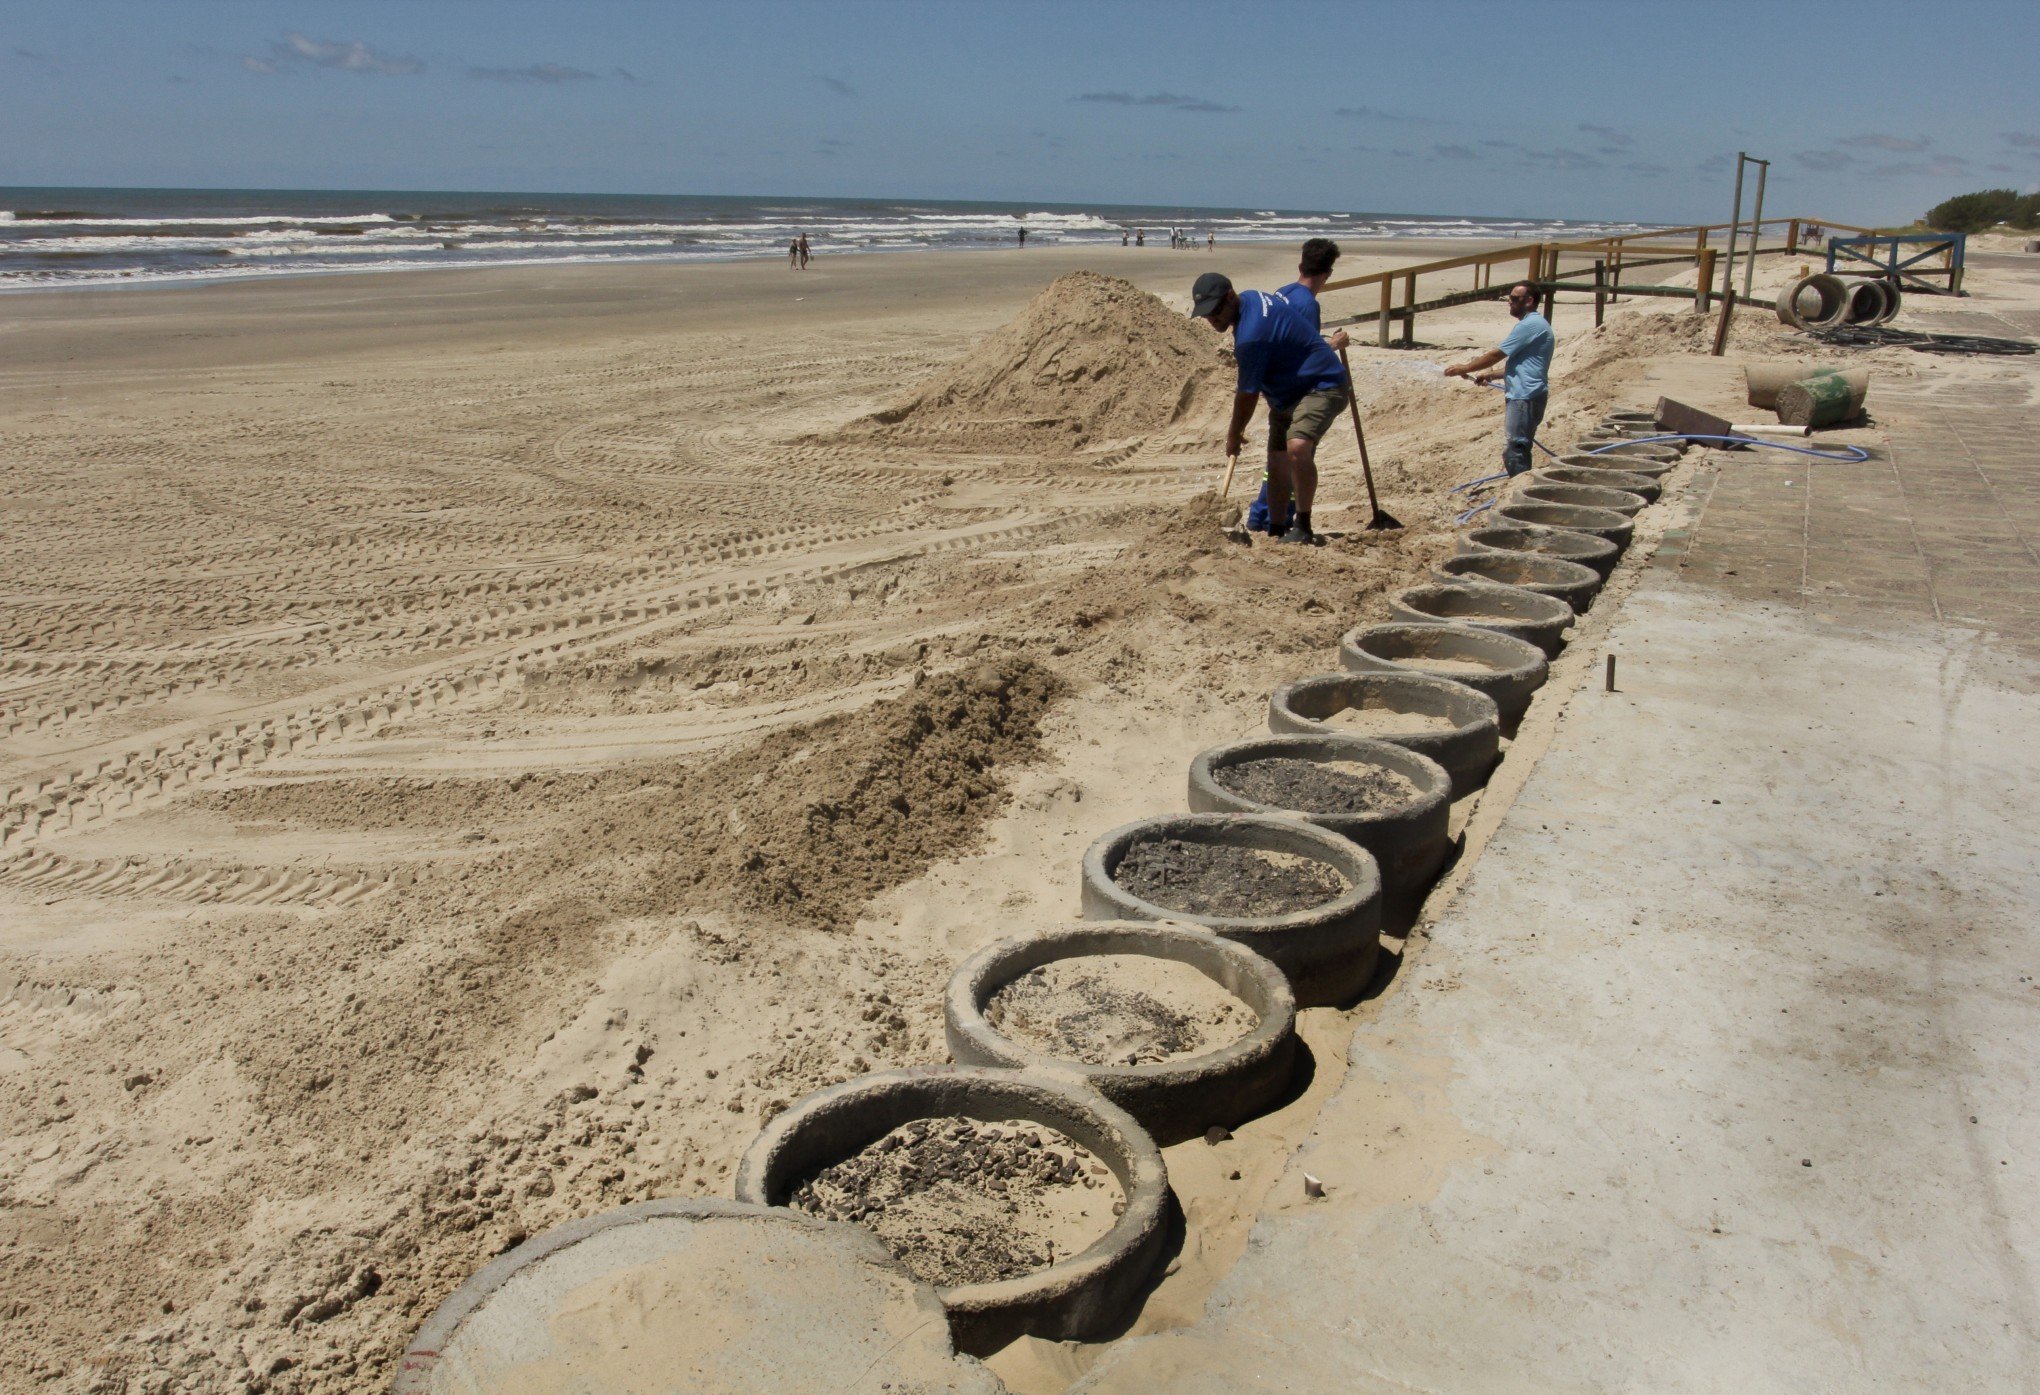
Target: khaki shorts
column 1308, row 420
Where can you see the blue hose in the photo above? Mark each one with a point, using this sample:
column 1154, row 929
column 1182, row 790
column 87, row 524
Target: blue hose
column 1848, row 455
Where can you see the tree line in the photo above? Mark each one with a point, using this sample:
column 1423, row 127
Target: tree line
column 1984, row 210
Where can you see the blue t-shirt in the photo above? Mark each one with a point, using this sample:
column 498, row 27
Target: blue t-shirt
column 1280, row 352
column 1300, row 297
column 1529, row 347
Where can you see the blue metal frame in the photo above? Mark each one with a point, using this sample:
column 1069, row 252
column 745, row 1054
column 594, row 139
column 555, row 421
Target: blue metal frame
column 1884, row 253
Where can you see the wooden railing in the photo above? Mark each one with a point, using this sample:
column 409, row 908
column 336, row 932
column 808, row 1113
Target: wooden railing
column 1543, row 265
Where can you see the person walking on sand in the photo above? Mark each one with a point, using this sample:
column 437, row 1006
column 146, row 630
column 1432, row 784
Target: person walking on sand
column 1210, row 240
column 1313, row 268
column 793, row 255
column 803, row 252
column 1282, row 357
column 1140, row 237
column 1023, row 238
column 1526, row 377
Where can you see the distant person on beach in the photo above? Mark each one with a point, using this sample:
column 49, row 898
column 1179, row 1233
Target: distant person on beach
column 1124, row 235
column 1526, row 379
column 793, row 255
column 803, row 252
column 1140, row 237
column 1023, row 237
column 1282, row 357
column 1210, row 240
column 1313, row 268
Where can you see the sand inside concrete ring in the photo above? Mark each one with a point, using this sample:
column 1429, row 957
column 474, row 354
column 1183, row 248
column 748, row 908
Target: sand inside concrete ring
column 1118, row 1010
column 1383, row 721
column 1318, row 787
column 962, row 1201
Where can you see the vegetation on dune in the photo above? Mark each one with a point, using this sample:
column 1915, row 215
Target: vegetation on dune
column 1984, row 210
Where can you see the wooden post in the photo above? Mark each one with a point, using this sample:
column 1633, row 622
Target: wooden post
column 1409, row 325
column 1387, row 292
column 1600, row 291
column 1792, row 236
column 1702, row 298
column 1615, row 277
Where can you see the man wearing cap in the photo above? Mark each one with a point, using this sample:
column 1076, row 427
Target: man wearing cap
column 1526, row 380
column 1281, row 357
column 1313, row 268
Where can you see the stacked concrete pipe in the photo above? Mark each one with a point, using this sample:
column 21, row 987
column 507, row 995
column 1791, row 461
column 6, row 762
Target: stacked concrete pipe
column 1173, row 1099
column 1571, row 582
column 1512, row 669
column 1327, row 952
column 1813, row 302
column 1644, row 487
column 1602, row 523
column 1599, row 554
column 1591, row 496
column 1468, row 750
column 1070, row 1299
column 1642, row 457
column 1509, row 610
column 1407, row 841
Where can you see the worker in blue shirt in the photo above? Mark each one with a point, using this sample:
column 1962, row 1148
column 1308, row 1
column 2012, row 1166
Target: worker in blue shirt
column 1281, row 357
column 1526, row 377
column 1313, row 269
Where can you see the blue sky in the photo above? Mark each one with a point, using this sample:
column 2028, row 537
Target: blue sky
column 1872, row 111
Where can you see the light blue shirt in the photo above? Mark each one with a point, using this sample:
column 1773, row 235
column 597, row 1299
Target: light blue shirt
column 1528, row 347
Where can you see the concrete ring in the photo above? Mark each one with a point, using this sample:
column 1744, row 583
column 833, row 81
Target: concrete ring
column 1327, row 952
column 1468, row 750
column 1408, row 841
column 1592, row 496
column 797, row 1299
column 1638, row 459
column 1571, row 582
column 1507, row 610
column 1630, row 416
column 1645, row 487
column 1830, row 301
column 1602, row 523
column 1633, row 442
column 1173, row 1099
column 1584, row 548
column 1071, row 1298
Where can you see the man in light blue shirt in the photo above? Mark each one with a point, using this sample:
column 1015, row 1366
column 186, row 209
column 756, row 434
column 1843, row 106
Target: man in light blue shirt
column 1526, row 377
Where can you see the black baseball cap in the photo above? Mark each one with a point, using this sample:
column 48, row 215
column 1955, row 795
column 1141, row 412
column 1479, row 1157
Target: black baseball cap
column 1208, row 293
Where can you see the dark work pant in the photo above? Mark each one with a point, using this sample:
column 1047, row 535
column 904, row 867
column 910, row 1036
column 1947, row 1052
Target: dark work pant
column 1519, row 424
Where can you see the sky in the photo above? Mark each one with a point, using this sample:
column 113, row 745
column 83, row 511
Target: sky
column 1870, row 111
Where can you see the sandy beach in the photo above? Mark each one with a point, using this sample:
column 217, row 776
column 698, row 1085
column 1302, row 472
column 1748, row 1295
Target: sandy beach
column 477, row 743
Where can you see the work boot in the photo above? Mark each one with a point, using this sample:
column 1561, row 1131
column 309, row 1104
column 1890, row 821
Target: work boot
column 1299, row 532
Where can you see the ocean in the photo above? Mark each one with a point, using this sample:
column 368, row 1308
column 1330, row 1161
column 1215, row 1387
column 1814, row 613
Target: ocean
column 90, row 237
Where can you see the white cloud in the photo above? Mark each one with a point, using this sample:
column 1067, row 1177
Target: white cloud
column 351, row 56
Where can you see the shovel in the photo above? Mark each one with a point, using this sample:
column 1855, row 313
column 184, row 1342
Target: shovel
column 1231, row 463
column 1380, row 520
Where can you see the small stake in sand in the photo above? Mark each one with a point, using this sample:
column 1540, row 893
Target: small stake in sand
column 1379, row 520
column 1611, row 673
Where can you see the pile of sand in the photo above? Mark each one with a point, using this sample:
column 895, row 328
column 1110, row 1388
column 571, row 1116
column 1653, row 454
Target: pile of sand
column 1091, row 360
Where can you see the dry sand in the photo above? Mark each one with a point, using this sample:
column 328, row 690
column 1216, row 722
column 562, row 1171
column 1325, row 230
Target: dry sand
column 1118, row 1010
column 477, row 743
